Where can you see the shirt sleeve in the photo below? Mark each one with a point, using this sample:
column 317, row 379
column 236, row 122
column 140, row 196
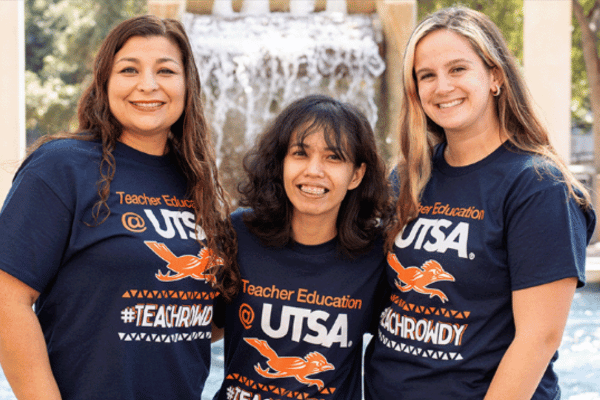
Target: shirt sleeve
column 35, row 226
column 546, row 236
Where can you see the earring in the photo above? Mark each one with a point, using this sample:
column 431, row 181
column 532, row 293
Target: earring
column 498, row 91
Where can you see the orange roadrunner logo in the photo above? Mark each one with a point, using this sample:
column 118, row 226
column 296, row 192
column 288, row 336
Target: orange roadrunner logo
column 417, row 279
column 291, row 367
column 186, row 265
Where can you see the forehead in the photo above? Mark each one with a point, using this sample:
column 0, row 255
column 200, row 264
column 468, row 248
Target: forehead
column 443, row 46
column 149, row 48
column 307, row 135
column 324, row 138
column 319, row 133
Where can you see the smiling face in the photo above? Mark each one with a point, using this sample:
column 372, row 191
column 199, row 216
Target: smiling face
column 455, row 86
column 316, row 180
column 146, row 91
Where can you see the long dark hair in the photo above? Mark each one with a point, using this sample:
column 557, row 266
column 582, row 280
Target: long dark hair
column 345, row 129
column 189, row 140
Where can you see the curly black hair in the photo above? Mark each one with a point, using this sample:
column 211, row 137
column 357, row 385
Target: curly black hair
column 349, row 133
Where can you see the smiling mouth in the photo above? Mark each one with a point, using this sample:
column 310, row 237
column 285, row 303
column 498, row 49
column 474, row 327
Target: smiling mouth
column 314, row 190
column 451, row 104
column 147, row 105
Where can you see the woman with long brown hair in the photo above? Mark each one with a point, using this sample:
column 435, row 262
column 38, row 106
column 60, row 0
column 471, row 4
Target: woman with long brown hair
column 119, row 234
column 491, row 228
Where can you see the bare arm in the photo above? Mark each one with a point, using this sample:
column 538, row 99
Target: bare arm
column 540, row 314
column 23, row 352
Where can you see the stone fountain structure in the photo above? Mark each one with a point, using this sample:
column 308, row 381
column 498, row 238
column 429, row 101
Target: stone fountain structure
column 253, row 66
column 254, row 62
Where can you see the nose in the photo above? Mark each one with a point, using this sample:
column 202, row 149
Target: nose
column 445, row 84
column 147, row 82
column 314, row 166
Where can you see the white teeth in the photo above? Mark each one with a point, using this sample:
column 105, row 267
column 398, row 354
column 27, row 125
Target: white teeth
column 312, row 190
column 451, row 104
column 147, row 105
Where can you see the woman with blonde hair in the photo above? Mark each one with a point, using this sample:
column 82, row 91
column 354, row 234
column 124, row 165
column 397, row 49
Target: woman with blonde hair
column 119, row 234
column 491, row 228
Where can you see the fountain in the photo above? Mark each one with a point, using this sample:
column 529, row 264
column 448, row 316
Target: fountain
column 252, row 64
column 222, row 7
column 255, row 7
column 301, row 7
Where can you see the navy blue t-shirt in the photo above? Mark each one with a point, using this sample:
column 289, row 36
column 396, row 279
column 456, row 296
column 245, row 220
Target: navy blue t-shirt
column 124, row 306
column 485, row 230
column 296, row 328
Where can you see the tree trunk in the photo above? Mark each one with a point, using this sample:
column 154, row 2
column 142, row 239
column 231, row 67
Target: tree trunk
column 592, row 68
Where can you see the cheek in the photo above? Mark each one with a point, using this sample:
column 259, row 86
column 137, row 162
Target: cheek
column 481, row 81
column 179, row 92
column 291, row 170
column 116, row 91
column 286, row 173
column 423, row 92
column 180, row 104
column 349, row 174
column 111, row 97
column 110, row 89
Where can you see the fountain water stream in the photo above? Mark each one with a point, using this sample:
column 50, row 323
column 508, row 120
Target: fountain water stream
column 252, row 66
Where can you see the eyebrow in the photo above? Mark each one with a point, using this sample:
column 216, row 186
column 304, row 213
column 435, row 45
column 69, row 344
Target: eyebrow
column 328, row 148
column 136, row 60
column 448, row 64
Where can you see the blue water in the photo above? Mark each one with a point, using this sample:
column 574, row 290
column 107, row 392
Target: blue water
column 578, row 365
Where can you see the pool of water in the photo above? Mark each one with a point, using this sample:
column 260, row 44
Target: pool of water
column 578, row 366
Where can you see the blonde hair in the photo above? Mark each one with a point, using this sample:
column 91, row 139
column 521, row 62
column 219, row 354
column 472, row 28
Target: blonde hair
column 419, row 134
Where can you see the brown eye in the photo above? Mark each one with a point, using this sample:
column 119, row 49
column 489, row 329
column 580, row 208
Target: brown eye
column 128, row 70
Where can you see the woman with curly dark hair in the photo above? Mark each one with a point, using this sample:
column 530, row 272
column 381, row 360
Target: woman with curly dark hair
column 119, row 233
column 310, row 255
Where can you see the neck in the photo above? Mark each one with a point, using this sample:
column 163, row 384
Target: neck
column 462, row 150
column 312, row 231
column 154, row 145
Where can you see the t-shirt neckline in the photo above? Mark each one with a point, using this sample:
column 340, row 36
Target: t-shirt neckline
column 143, row 158
column 321, row 248
column 440, row 163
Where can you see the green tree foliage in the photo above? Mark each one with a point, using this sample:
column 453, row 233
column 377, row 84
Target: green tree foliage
column 586, row 14
column 580, row 98
column 62, row 37
column 506, row 14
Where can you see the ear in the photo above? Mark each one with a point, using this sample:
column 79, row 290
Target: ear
column 357, row 177
column 497, row 80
